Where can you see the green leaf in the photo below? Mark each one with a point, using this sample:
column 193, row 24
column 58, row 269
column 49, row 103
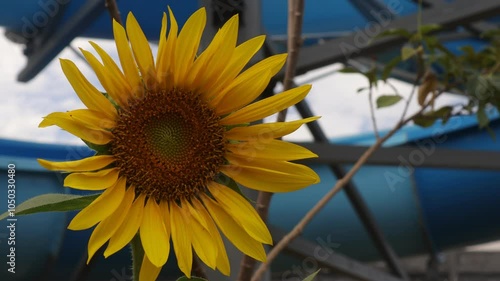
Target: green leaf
column 52, row 203
column 184, row 278
column 424, row 120
column 349, row 69
column 443, row 113
column 407, row 52
column 482, row 117
column 99, row 149
column 361, row 89
column 387, row 100
column 424, row 29
column 395, row 32
column 389, row 66
column 371, row 75
column 311, row 277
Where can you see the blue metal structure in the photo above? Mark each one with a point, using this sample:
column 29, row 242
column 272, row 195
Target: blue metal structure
column 458, row 207
column 418, row 209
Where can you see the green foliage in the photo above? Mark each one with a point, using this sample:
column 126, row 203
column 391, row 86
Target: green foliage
column 387, row 100
column 473, row 73
column 408, row 52
column 52, row 203
column 429, row 118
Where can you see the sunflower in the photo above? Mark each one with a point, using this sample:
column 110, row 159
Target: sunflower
column 171, row 135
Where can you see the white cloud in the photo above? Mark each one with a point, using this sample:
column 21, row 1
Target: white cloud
column 343, row 111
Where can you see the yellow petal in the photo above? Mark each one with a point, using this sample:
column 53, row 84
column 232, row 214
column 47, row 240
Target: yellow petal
column 241, row 56
column 100, row 208
column 266, row 107
column 244, row 213
column 114, row 71
column 270, row 180
column 93, row 119
column 165, row 213
column 128, row 229
column 117, row 91
column 167, row 64
column 279, row 166
column 187, row 45
column 211, row 63
column 107, row 228
column 181, row 238
column 162, row 56
column 267, row 131
column 88, row 94
column 203, row 242
column 154, row 237
column 233, row 231
column 241, row 91
column 149, row 271
column 92, row 180
column 270, row 149
column 141, row 50
column 126, row 59
column 87, row 164
column 76, row 127
column 222, row 259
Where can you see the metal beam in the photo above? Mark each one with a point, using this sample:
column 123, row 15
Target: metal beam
column 356, row 200
column 335, row 261
column 366, row 8
column 54, row 44
column 448, row 15
column 428, row 156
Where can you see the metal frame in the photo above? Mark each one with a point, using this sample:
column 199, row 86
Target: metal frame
column 338, row 262
column 448, row 15
column 47, row 47
column 394, row 156
column 356, row 200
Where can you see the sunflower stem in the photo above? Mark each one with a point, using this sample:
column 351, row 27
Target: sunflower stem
column 137, row 256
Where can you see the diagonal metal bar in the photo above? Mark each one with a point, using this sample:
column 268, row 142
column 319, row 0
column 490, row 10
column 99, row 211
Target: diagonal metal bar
column 330, row 259
column 448, row 14
column 54, row 44
column 424, row 154
column 356, row 200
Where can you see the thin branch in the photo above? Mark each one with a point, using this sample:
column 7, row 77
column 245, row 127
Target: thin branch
column 372, row 113
column 297, row 230
column 393, row 88
column 412, row 93
column 295, row 15
column 295, row 18
column 113, row 10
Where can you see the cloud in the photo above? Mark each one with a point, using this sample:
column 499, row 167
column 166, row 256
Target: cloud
column 334, row 97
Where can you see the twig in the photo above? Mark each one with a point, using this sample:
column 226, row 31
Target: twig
column 297, row 230
column 372, row 113
column 295, row 15
column 412, row 93
column 248, row 263
column 113, row 10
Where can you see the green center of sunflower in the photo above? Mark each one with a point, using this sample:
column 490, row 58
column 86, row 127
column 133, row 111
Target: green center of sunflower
column 168, row 145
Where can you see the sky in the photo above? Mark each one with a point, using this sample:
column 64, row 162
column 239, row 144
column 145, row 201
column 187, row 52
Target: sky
column 343, row 111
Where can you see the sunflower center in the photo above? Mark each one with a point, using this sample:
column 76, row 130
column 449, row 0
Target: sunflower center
column 168, row 145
